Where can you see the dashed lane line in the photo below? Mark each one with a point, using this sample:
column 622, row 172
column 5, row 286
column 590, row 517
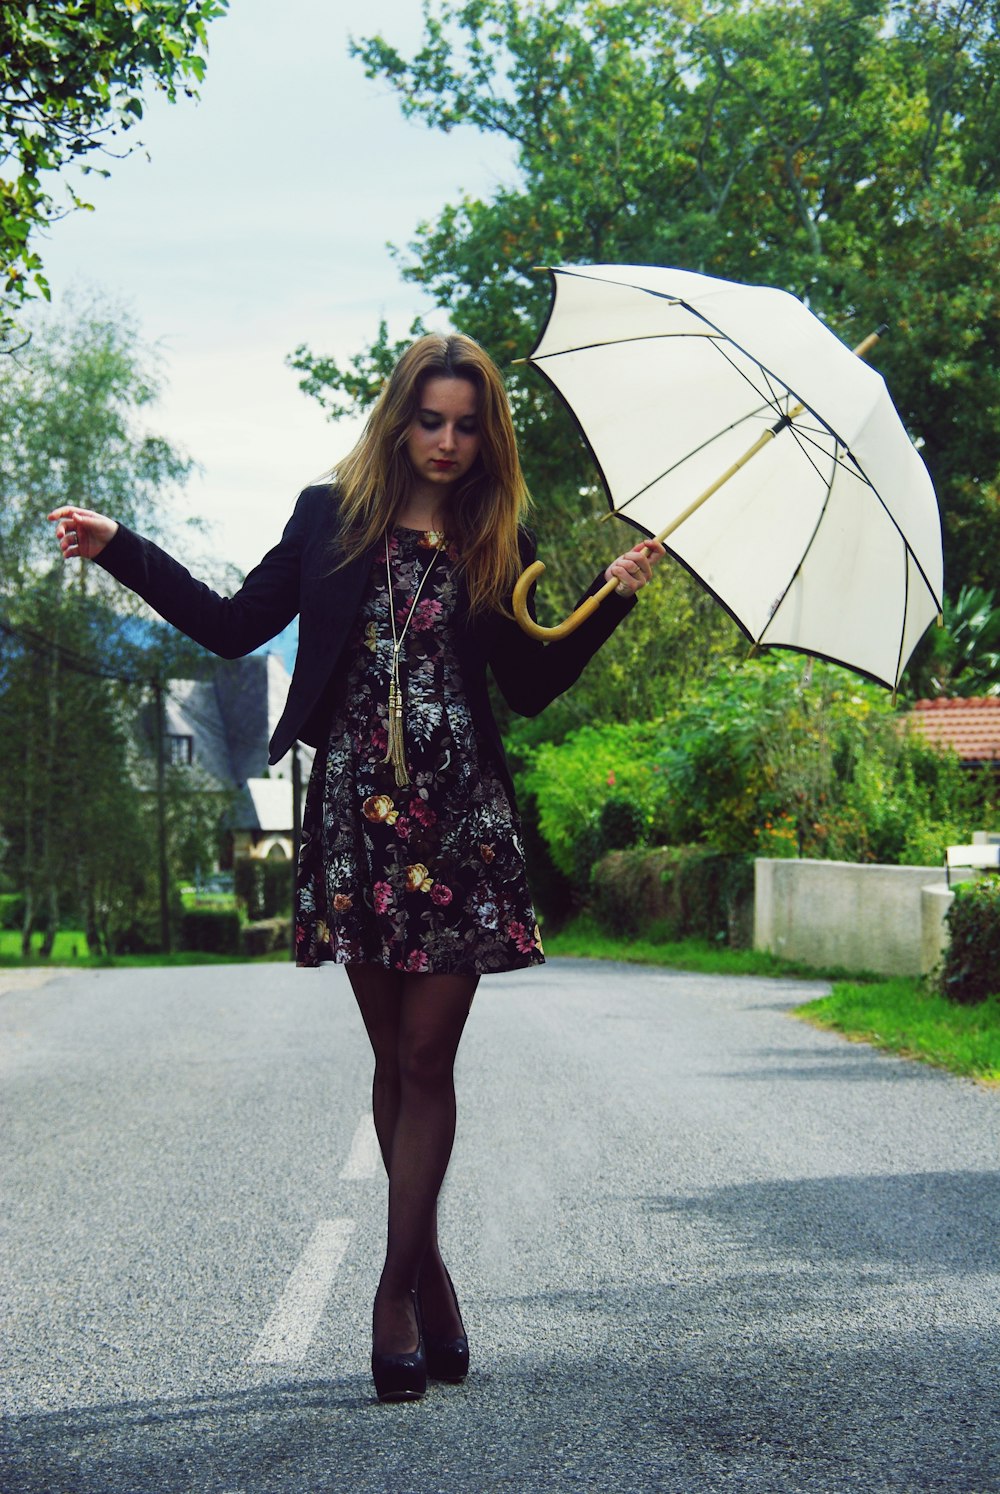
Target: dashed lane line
column 364, row 1159
column 288, row 1331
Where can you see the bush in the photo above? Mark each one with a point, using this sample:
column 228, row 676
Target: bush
column 551, row 892
column 211, row 930
column 266, row 935
column 680, row 891
column 133, row 926
column 263, row 887
column 971, row 970
column 618, row 825
column 760, row 760
column 570, row 783
column 12, row 913
column 11, row 910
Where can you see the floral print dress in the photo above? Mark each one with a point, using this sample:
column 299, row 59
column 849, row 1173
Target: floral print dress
column 429, row 877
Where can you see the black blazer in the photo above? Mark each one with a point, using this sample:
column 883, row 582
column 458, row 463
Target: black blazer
column 297, row 576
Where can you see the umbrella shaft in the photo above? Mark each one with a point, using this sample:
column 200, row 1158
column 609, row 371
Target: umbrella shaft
column 780, row 425
column 714, row 487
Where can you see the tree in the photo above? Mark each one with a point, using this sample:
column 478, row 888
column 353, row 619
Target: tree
column 70, row 809
column 846, row 150
column 74, row 667
column 72, row 78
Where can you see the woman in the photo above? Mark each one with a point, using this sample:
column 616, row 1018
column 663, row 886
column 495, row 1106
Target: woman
column 411, row 872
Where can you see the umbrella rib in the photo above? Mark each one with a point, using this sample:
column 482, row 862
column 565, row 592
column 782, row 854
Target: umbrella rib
column 720, row 335
column 617, row 342
column 902, row 631
column 733, row 425
column 805, row 442
column 811, row 541
column 771, row 394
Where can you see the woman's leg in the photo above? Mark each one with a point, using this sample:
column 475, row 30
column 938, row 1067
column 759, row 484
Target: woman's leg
column 433, row 1012
column 396, row 1045
column 379, row 994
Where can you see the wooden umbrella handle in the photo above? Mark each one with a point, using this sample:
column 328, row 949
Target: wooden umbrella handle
column 527, row 580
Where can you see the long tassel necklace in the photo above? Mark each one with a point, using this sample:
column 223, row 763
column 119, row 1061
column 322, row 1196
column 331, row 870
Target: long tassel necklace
column 396, row 753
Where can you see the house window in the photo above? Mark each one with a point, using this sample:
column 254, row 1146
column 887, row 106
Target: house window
column 180, row 751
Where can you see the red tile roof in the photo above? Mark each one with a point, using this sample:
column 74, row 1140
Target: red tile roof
column 971, row 726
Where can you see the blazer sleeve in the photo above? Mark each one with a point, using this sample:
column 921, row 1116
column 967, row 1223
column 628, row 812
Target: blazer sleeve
column 230, row 626
column 531, row 673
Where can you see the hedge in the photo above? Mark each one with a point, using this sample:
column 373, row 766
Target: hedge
column 971, row 969
column 211, row 930
column 682, row 891
column 264, row 887
column 266, row 935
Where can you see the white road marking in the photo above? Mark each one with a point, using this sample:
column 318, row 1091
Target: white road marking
column 364, row 1158
column 289, row 1330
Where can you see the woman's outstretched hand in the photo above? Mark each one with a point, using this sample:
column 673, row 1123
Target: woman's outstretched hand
column 81, row 532
column 635, row 569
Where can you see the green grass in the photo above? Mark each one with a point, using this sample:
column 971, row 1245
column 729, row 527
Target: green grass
column 583, row 939
column 903, row 1017
column 68, row 939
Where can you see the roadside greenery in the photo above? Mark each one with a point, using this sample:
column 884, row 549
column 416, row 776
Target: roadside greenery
column 757, row 760
column 971, row 968
column 962, row 657
column 903, row 1016
column 78, row 841
column 63, row 956
column 584, row 939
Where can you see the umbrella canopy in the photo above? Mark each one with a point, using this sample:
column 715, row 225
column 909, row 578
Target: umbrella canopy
column 828, row 539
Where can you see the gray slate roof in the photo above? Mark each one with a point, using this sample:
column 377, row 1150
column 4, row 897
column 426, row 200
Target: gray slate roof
column 230, row 719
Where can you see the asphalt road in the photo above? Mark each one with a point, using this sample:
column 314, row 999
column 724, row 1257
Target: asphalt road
column 699, row 1245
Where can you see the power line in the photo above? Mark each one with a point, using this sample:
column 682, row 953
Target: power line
column 39, row 643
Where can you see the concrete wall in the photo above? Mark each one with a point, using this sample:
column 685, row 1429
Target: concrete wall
column 935, row 901
column 858, row 917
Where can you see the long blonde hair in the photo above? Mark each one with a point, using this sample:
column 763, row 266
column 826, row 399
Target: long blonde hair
column 371, row 483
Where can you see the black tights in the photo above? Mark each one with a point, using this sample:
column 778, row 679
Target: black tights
column 414, row 1023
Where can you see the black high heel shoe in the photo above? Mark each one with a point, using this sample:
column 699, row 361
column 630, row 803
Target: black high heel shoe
column 402, row 1377
column 448, row 1358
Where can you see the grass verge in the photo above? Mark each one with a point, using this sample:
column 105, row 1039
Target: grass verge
column 71, row 952
column 902, row 1016
column 582, row 939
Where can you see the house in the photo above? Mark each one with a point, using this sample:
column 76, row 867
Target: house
column 971, row 727
column 216, row 731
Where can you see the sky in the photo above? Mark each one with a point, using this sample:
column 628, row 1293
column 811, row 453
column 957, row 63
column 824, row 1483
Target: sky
column 259, row 221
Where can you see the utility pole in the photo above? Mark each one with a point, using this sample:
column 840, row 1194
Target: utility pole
column 159, row 734
column 296, row 826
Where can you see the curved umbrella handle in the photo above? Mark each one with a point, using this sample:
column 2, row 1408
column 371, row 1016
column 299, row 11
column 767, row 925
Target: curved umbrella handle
column 549, row 635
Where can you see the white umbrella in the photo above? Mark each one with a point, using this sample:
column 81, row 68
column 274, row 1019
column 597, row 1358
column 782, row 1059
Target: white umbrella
column 729, row 418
